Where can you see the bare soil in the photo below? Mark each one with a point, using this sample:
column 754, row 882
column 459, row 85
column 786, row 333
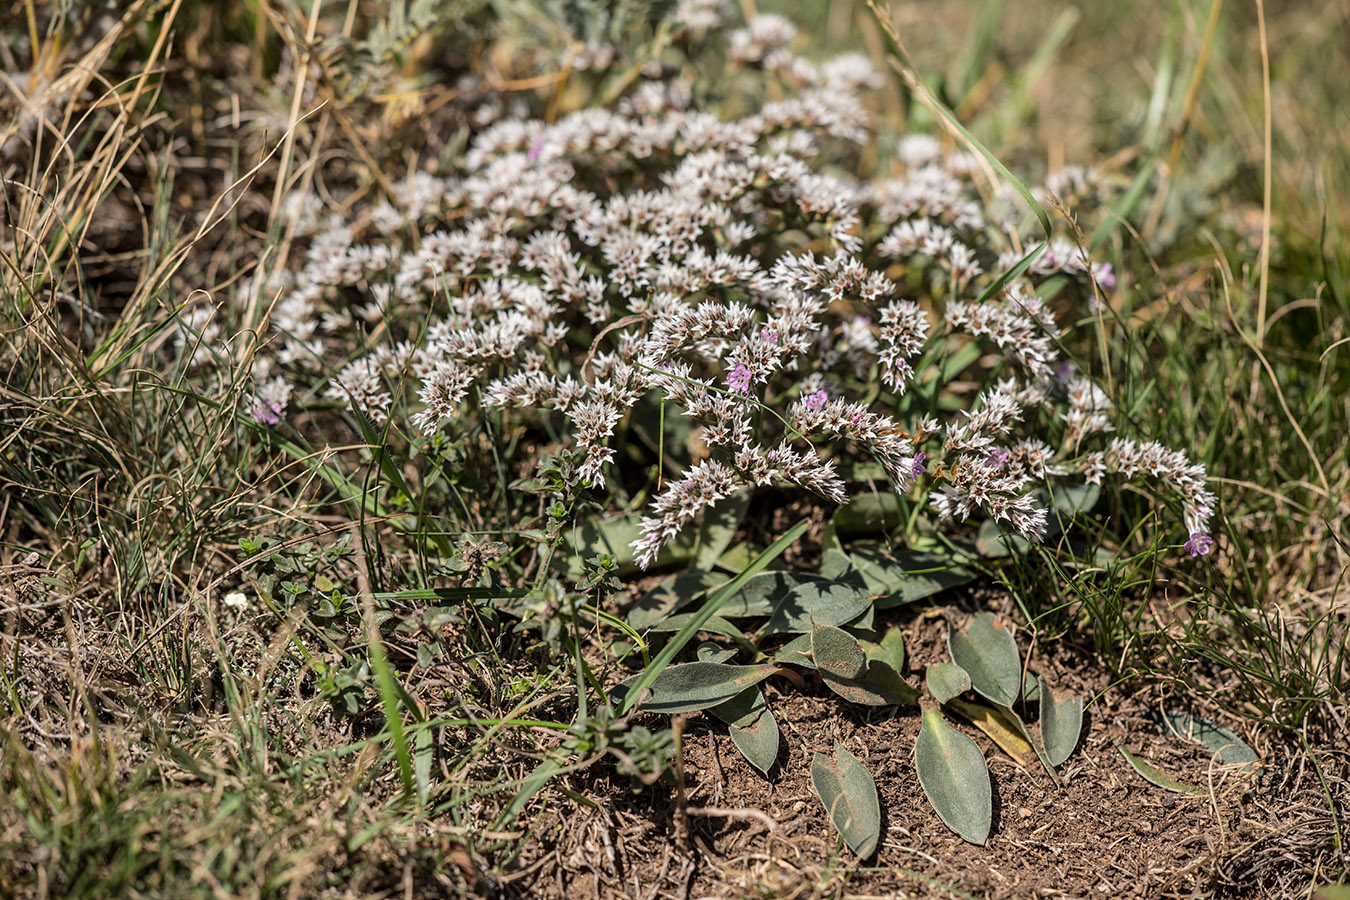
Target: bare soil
column 1104, row 832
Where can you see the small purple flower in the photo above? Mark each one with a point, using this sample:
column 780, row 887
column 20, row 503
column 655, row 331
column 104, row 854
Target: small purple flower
column 1105, row 277
column 816, row 399
column 739, row 379
column 916, row 465
column 1200, row 544
column 768, row 335
column 1065, row 370
column 998, row 456
column 267, row 411
column 537, row 149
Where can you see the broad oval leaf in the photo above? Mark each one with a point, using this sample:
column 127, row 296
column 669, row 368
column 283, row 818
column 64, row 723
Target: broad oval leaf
column 946, row 680
column 889, row 650
column 752, row 727
column 710, row 652
column 699, row 685
column 670, row 596
column 815, row 601
column 1061, row 724
column 837, row 653
column 955, row 778
column 1155, row 776
column 880, row 682
column 760, row 594
column 1000, row 726
column 880, row 686
column 986, row 649
column 1228, row 748
column 850, row 796
column 796, row 652
column 907, row 576
column 758, row 741
column 719, row 527
column 834, row 564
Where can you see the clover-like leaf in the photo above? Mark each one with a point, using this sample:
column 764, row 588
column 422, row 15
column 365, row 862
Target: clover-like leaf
column 752, row 726
column 1157, row 777
column 955, row 778
column 946, row 680
column 986, row 649
column 1061, row 723
column 850, row 795
column 700, row 685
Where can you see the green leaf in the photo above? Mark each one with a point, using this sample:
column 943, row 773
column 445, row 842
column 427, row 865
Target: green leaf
column 955, row 778
column 1000, row 726
column 752, row 727
column 697, row 685
column 710, row 608
column 1332, row 892
column 719, row 527
column 1156, row 777
column 760, row 594
column 1228, row 748
column 890, row 650
column 908, row 576
column 993, row 541
column 615, row 537
column 835, row 564
column 986, row 649
column 815, row 601
column 670, row 596
column 1071, row 499
column 837, row 653
column 1061, row 724
column 850, row 795
column 710, row 652
column 878, row 682
column 946, row 680
column 711, row 624
column 1031, row 688
column 796, row 652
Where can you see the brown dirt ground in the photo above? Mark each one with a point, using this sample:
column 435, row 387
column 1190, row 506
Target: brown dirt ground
column 1105, row 832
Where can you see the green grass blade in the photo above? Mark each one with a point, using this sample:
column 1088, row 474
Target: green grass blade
column 709, row 608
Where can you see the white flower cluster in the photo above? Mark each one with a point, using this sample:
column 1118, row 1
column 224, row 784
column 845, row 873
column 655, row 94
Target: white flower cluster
column 580, row 265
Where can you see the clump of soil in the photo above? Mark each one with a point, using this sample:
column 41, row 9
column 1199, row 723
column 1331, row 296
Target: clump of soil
column 1103, row 832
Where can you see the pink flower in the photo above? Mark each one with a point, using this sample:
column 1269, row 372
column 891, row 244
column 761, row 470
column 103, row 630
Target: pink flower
column 817, row 399
column 998, row 456
column 1105, row 277
column 537, row 149
column 1199, row 544
column 768, row 335
column 917, row 466
column 739, row 379
column 268, row 412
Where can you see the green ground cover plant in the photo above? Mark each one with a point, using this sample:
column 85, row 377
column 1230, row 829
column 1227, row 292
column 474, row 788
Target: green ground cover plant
column 421, row 418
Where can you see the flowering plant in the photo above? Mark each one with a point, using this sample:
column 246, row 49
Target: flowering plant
column 797, row 315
